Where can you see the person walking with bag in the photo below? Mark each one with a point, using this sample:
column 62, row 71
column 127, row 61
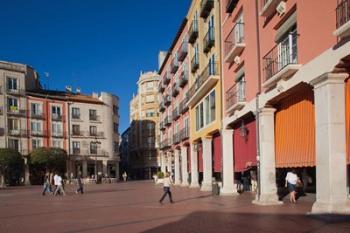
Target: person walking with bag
column 292, row 180
column 167, row 181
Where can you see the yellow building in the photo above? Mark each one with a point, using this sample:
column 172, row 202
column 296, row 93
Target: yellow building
column 144, row 128
column 205, row 91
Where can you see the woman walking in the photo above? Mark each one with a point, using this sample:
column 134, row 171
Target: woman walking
column 47, row 186
column 80, row 188
column 167, row 181
column 291, row 182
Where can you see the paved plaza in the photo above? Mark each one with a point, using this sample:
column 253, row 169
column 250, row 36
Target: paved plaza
column 133, row 207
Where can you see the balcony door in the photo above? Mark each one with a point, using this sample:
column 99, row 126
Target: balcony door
column 287, row 49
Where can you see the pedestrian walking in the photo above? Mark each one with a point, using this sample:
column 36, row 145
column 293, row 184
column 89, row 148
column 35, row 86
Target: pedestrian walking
column 47, row 186
column 59, row 186
column 167, row 181
column 125, row 176
column 292, row 180
column 80, row 188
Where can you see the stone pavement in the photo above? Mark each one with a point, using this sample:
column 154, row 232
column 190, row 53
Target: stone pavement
column 133, row 207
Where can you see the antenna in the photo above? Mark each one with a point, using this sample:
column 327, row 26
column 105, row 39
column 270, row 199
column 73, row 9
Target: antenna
column 47, row 76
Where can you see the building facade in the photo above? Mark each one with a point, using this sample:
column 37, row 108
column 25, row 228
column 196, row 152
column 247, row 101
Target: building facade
column 281, row 98
column 86, row 127
column 144, row 128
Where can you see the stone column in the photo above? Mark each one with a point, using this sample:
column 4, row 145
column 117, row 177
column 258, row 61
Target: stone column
column 104, row 168
column 268, row 188
column 331, row 191
column 26, row 172
column 177, row 167
column 169, row 162
column 163, row 163
column 84, row 162
column 228, row 186
column 184, row 166
column 207, row 164
column 194, row 167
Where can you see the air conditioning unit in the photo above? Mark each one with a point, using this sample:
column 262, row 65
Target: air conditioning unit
column 237, row 60
column 281, row 8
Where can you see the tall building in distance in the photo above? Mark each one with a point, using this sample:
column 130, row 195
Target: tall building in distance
column 144, row 128
column 85, row 126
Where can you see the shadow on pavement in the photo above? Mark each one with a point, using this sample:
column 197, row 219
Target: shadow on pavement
column 219, row 222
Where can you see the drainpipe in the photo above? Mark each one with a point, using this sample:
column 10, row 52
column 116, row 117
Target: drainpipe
column 257, row 100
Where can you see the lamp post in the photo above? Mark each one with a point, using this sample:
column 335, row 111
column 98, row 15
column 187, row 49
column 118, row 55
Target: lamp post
column 96, row 142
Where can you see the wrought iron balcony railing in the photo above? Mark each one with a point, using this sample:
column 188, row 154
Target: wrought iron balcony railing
column 206, row 6
column 195, row 63
column 185, row 133
column 183, row 78
column 183, row 50
column 209, row 40
column 236, row 36
column 235, row 94
column 193, row 32
column 342, row 13
column 230, row 5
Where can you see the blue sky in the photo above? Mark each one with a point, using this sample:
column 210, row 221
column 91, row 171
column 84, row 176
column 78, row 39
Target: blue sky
column 98, row 45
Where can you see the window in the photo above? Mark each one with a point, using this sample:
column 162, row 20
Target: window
column 212, row 68
column 115, row 147
column 12, row 104
column 75, row 113
column 205, row 111
column 35, row 109
column 56, row 128
column 115, row 127
column 149, row 98
column 76, row 129
column 12, row 84
column 92, row 115
column 76, row 147
column 149, row 85
column 56, row 112
column 35, row 126
column 36, row 143
column 93, row 148
column 149, row 113
column 287, row 48
column 13, row 124
column 115, row 109
column 13, row 144
column 56, row 143
column 93, row 130
column 240, row 88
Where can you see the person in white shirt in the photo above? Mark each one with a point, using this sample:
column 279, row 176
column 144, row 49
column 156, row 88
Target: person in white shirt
column 291, row 182
column 59, row 186
column 167, row 181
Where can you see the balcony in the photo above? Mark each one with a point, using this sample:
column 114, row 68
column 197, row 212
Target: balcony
column 76, row 151
column 17, row 132
column 193, row 32
column 162, row 107
column 195, row 63
column 176, row 113
column 167, row 100
column 40, row 133
column 234, row 43
column 58, row 134
column 14, row 111
column 77, row 133
column 161, row 88
column 268, row 7
column 183, row 79
column 95, row 134
column 94, row 118
column 161, row 126
column 166, row 78
column 164, row 144
column 167, row 120
column 342, row 18
column 176, row 138
column 183, row 104
column 185, row 133
column 175, row 90
column 57, row 117
column 206, row 6
column 174, row 65
column 204, row 83
column 37, row 115
column 183, row 50
column 16, row 92
column 230, row 5
column 235, row 97
column 209, row 40
column 281, row 61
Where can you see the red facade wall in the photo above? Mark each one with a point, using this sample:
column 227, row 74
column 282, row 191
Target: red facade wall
column 200, row 158
column 244, row 148
column 217, row 155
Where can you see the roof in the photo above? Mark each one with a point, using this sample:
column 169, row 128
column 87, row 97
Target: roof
column 64, row 95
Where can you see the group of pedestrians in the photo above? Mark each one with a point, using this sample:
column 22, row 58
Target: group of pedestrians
column 59, row 186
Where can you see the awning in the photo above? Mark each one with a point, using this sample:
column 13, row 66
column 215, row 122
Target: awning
column 295, row 130
column 217, row 156
column 244, row 146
